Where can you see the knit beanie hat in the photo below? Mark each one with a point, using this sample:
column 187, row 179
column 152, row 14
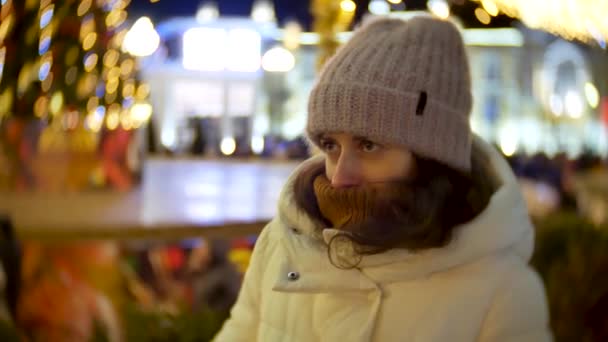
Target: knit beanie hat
column 400, row 82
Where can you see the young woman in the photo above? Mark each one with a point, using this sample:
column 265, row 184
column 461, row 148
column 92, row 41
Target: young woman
column 406, row 227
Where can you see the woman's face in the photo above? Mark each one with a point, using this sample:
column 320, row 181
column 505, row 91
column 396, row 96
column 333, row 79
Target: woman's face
column 352, row 161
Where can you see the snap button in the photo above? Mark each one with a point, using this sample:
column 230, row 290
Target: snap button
column 293, row 276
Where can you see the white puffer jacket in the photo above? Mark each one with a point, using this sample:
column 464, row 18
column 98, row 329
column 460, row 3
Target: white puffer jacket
column 478, row 288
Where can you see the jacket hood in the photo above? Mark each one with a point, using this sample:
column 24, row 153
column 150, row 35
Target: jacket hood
column 502, row 226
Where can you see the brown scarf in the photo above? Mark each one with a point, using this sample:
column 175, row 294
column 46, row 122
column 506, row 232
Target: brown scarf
column 346, row 208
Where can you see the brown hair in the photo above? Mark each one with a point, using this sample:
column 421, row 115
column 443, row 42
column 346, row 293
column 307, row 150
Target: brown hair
column 424, row 216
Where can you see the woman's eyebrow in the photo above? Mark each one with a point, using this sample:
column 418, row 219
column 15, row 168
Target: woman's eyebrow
column 359, row 138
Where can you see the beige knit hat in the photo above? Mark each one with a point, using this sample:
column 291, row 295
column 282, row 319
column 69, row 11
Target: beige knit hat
column 399, row 82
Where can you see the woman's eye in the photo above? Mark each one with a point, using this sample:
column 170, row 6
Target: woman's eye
column 369, row 146
column 329, row 146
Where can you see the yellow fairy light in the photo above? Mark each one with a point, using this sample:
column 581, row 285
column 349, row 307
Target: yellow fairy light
column 111, row 86
column 126, row 67
column 439, row 8
column 44, row 3
column 92, row 103
column 47, row 82
column 141, row 112
column 562, row 18
column 84, row 7
column 111, row 58
column 41, row 107
column 47, row 58
column 6, row 25
column 112, row 121
column 121, row 18
column 482, row 16
column 593, row 96
column 112, row 17
column 395, row 2
column 56, row 103
column 118, row 38
column 24, row 78
column 6, row 101
column 94, row 119
column 348, row 6
column 87, row 26
column 113, row 117
column 125, row 120
column 142, row 91
column 115, row 18
column 490, row 7
column 90, row 62
column 89, row 41
column 113, row 74
column 71, row 119
column 128, row 89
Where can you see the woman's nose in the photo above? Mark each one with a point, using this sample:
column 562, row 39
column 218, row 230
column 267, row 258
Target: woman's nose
column 347, row 173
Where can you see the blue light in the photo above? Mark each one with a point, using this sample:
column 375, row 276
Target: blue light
column 100, row 111
column 127, row 102
column 44, row 45
column 108, row 6
column 46, row 17
column 84, row 59
column 44, row 71
column 100, row 91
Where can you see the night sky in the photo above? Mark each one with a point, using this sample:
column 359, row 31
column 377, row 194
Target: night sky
column 285, row 10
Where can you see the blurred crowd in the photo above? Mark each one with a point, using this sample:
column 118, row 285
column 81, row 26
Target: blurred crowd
column 562, row 183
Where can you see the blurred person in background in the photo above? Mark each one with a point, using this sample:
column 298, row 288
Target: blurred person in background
column 215, row 280
column 406, row 227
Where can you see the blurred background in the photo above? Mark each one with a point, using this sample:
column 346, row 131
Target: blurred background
column 143, row 145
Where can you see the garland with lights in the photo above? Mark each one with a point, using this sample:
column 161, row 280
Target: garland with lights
column 64, row 80
column 329, row 18
column 582, row 20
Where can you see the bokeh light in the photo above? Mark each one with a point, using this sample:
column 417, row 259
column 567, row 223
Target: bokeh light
column 348, row 5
